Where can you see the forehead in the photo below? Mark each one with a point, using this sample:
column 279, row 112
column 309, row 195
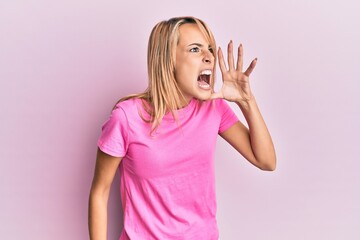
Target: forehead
column 190, row 33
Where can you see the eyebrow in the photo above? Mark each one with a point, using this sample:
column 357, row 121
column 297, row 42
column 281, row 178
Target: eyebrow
column 198, row 44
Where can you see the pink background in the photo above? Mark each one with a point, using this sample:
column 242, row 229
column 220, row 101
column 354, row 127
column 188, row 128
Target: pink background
column 63, row 64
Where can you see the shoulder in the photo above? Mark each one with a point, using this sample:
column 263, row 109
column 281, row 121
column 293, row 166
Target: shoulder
column 126, row 104
column 222, row 106
column 220, row 103
column 129, row 108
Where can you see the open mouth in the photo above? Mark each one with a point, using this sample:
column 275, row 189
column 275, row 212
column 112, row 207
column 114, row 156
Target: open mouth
column 204, row 79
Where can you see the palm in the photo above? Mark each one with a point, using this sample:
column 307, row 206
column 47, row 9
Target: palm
column 236, row 87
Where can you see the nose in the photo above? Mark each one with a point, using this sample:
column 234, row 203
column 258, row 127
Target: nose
column 208, row 57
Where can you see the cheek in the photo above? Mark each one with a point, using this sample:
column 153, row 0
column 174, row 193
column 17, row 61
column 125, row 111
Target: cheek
column 186, row 68
column 182, row 70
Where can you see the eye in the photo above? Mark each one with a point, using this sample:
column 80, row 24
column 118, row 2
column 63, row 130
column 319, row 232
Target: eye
column 211, row 50
column 195, row 49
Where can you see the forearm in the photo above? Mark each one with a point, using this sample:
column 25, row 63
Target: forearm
column 98, row 216
column 260, row 139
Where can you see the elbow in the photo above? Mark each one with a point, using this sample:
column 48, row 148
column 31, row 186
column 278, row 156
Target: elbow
column 269, row 165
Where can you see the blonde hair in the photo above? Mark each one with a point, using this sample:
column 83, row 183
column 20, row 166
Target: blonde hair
column 163, row 93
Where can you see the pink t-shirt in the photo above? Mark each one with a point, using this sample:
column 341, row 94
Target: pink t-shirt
column 167, row 179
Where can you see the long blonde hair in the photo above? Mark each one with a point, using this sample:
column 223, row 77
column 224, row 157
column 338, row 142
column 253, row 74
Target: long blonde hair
column 163, row 94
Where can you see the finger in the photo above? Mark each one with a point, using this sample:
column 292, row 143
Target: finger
column 221, row 61
column 240, row 58
column 216, row 95
column 231, row 56
column 251, row 67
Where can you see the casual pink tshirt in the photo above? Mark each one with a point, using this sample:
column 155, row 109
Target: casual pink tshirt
column 167, row 179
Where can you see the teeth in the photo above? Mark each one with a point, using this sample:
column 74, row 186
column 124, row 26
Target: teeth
column 206, row 72
column 204, row 85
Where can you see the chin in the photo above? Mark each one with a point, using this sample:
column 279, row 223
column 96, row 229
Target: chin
column 203, row 97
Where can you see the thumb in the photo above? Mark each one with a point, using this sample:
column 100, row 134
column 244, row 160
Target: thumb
column 216, row 95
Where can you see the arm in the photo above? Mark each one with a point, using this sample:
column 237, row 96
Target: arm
column 255, row 143
column 105, row 170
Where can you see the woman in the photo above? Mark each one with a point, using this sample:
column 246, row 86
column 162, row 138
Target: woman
column 163, row 140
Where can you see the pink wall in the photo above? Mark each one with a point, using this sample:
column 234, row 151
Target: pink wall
column 63, row 64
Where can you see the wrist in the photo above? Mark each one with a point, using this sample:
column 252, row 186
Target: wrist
column 246, row 104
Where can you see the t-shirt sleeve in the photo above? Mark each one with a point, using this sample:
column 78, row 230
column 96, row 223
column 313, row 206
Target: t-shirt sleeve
column 228, row 117
column 114, row 136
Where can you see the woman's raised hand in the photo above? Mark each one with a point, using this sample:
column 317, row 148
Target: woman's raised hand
column 236, row 87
